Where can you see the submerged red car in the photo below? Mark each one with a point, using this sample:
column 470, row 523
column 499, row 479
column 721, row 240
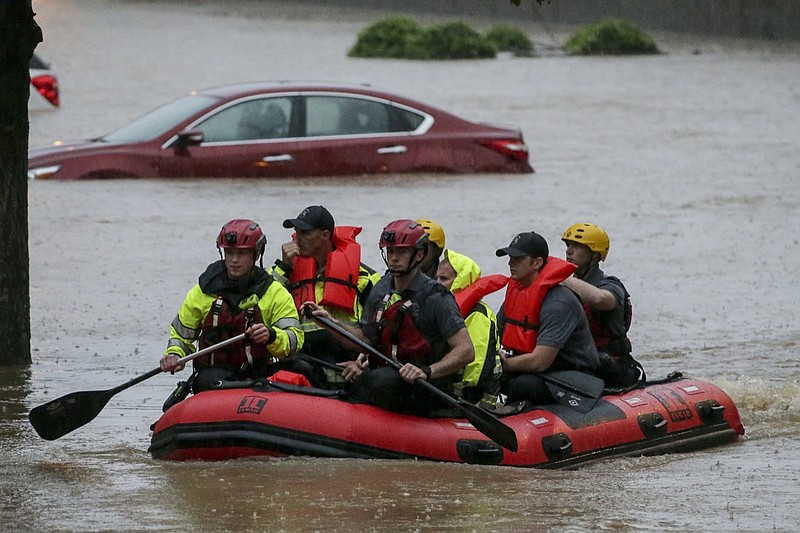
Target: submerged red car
column 282, row 129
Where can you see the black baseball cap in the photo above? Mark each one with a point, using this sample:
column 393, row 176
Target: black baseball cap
column 312, row 217
column 528, row 243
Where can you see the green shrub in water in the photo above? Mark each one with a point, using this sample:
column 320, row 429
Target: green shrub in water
column 396, row 36
column 401, row 37
column 456, row 40
column 509, row 39
column 611, row 37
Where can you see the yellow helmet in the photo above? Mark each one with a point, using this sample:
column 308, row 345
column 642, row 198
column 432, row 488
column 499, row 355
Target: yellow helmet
column 590, row 235
column 434, row 231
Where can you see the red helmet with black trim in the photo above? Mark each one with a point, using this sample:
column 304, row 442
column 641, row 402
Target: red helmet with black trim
column 404, row 233
column 242, row 234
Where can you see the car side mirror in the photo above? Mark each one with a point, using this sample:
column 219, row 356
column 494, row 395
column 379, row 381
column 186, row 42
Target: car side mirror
column 188, row 138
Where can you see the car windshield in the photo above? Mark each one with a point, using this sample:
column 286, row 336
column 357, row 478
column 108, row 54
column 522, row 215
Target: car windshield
column 159, row 120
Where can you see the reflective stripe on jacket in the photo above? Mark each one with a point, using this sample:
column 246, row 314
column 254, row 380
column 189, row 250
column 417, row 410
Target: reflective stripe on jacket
column 275, row 309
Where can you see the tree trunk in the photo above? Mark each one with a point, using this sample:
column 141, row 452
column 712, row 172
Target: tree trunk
column 19, row 35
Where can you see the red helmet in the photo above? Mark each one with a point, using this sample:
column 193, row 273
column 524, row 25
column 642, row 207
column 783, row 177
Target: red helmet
column 404, row 234
column 244, row 234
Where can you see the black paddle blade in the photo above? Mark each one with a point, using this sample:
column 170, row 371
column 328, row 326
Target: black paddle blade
column 578, row 382
column 577, row 390
column 490, row 426
column 58, row 417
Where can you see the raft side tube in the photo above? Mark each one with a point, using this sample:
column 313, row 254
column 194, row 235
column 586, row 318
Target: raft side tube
column 205, row 440
column 681, row 442
column 216, row 425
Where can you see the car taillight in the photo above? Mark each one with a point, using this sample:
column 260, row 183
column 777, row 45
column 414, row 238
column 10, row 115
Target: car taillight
column 514, row 148
column 48, row 87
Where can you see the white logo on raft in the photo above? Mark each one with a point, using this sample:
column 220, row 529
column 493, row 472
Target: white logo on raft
column 634, row 401
column 541, row 421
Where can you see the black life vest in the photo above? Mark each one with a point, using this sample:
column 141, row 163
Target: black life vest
column 604, row 339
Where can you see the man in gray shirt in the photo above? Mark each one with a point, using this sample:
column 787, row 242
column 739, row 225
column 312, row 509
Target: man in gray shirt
column 543, row 324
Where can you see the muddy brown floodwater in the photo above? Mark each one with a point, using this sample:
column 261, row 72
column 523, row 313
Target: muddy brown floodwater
column 688, row 159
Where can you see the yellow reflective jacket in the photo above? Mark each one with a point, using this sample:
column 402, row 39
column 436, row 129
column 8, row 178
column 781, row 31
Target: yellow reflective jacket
column 276, row 308
column 484, row 372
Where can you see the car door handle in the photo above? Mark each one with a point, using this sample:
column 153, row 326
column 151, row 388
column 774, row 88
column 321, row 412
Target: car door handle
column 282, row 158
column 398, row 149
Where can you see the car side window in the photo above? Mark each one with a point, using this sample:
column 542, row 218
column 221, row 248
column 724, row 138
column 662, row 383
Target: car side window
column 406, row 120
column 259, row 119
column 342, row 115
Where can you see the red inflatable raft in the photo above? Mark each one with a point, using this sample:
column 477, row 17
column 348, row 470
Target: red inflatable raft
column 280, row 420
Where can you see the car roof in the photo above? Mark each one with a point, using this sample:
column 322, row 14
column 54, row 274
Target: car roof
column 238, row 90
column 246, row 88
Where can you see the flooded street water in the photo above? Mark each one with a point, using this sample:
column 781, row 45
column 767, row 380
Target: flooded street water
column 688, row 159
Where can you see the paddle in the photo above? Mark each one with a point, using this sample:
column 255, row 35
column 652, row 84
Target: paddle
column 480, row 419
column 574, row 389
column 320, row 362
column 58, row 417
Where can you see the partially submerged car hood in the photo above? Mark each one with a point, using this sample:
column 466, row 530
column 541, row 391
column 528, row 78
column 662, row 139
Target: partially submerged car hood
column 64, row 147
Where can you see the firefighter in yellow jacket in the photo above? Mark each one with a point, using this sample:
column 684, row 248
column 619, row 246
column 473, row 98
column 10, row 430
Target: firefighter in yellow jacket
column 234, row 296
column 480, row 382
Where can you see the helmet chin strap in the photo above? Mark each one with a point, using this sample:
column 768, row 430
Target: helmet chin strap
column 397, row 273
column 260, row 256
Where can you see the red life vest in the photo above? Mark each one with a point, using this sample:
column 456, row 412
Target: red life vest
column 604, row 340
column 220, row 324
column 521, row 306
column 469, row 297
column 400, row 337
column 340, row 277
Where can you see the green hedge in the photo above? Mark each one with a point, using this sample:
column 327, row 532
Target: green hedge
column 610, row 37
column 395, row 37
column 456, row 40
column 401, row 37
column 509, row 39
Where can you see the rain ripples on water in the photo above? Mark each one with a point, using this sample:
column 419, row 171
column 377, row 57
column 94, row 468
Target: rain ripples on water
column 688, row 160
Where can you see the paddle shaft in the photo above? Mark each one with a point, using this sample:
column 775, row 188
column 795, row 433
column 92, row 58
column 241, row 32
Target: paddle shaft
column 480, row 419
column 156, row 371
column 320, row 362
column 330, row 324
column 58, row 417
